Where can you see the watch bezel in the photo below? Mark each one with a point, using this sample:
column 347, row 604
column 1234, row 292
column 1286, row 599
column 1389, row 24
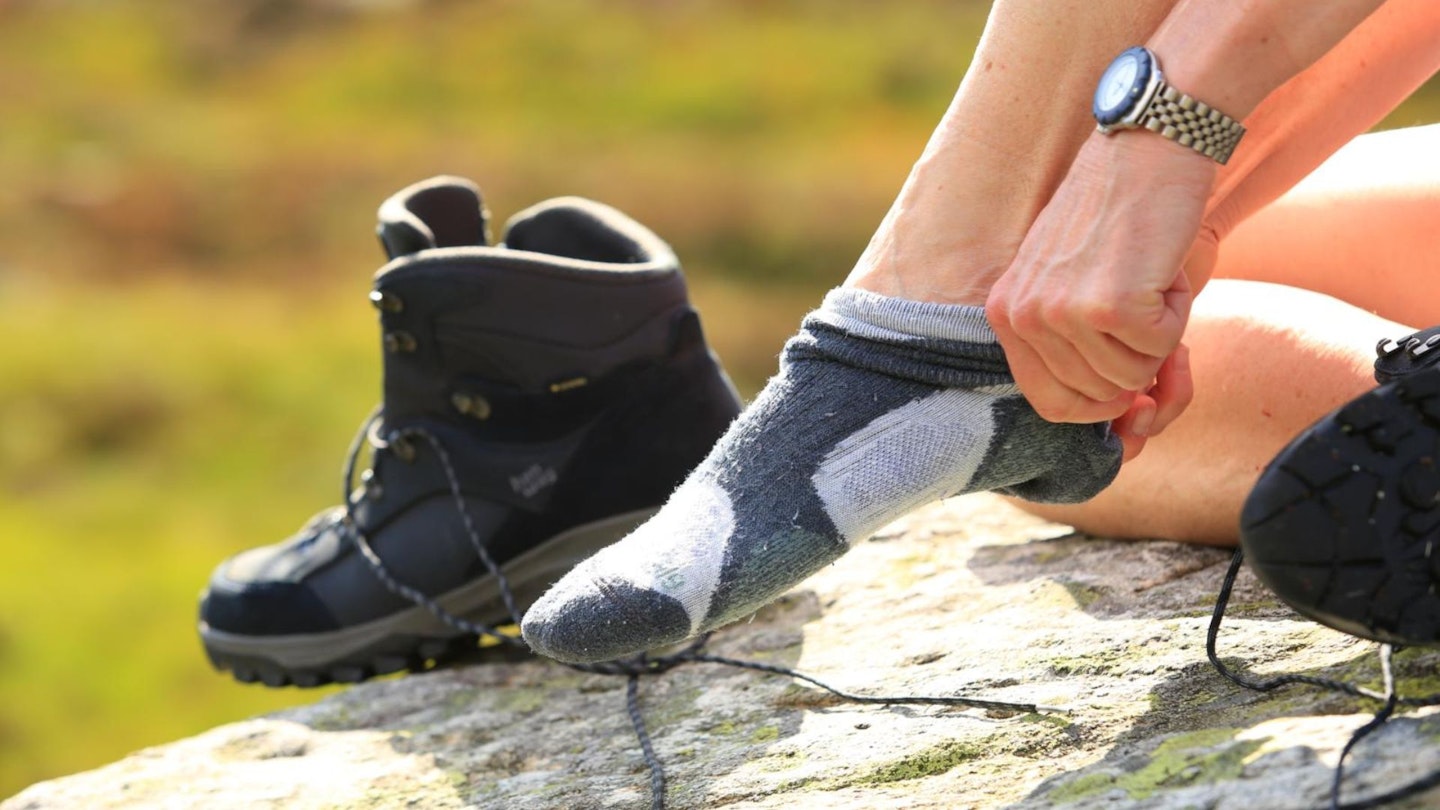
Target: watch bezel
column 1127, row 114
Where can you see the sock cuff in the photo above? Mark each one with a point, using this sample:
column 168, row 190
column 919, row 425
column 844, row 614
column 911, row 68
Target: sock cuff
column 881, row 317
column 936, row 344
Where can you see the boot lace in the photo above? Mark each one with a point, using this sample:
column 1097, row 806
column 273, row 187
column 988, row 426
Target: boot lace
column 1389, row 698
column 632, row 669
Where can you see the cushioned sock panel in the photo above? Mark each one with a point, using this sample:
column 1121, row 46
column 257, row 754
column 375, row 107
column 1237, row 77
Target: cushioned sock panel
column 881, row 405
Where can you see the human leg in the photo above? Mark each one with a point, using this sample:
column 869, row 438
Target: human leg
column 1360, row 228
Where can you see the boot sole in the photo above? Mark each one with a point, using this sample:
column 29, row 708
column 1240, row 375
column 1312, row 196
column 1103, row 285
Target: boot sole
column 413, row 639
column 1343, row 524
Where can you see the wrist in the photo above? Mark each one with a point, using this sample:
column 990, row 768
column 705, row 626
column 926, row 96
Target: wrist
column 1133, row 93
column 1139, row 154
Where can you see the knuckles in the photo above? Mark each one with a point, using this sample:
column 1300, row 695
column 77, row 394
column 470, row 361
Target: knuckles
column 1055, row 403
column 1029, row 315
column 1138, row 374
column 1077, row 409
column 1024, row 314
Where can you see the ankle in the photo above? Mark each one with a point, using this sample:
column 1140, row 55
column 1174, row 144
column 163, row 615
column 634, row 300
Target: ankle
column 940, row 245
column 941, row 277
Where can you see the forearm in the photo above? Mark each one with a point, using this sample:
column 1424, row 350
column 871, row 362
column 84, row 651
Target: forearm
column 1343, row 94
column 1231, row 54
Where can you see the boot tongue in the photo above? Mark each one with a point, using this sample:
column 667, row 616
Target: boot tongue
column 440, row 212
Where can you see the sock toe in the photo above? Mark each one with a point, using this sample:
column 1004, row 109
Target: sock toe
column 612, row 620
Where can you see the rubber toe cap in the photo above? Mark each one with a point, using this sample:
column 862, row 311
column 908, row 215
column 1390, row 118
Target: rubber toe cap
column 262, row 608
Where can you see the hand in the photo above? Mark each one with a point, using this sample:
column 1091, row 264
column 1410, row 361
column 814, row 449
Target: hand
column 1097, row 299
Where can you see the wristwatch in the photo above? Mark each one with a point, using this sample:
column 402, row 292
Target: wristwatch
column 1133, row 93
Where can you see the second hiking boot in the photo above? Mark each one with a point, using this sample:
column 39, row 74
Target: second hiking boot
column 557, row 384
column 1344, row 524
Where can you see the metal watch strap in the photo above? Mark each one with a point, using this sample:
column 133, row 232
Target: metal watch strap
column 1189, row 122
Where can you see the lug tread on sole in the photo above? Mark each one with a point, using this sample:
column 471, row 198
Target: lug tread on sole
column 426, row 654
column 1345, row 523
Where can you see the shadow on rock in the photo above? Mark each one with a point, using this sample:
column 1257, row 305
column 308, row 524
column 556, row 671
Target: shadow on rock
column 1206, row 742
column 1107, row 579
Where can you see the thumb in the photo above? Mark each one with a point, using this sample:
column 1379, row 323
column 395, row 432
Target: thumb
column 1133, row 427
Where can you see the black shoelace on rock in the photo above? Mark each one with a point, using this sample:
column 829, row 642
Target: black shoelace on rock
column 631, row 668
column 1389, row 698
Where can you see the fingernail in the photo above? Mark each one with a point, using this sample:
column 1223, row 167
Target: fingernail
column 1140, row 425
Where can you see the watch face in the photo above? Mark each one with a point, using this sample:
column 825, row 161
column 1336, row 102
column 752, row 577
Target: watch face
column 1121, row 85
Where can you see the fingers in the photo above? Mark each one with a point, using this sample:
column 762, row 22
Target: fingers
column 1069, row 372
column 1071, row 368
column 1118, row 363
column 1052, row 398
column 1203, row 256
column 1173, row 390
column 1131, row 427
column 1084, row 357
column 1153, row 411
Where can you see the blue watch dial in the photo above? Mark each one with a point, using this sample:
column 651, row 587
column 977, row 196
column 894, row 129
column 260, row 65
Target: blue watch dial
column 1121, row 85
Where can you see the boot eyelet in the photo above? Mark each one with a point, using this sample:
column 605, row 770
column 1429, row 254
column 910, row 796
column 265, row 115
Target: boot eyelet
column 399, row 341
column 386, row 301
column 373, row 490
column 403, row 449
column 471, row 405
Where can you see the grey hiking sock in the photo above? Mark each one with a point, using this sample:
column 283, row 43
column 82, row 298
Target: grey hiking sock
column 881, row 406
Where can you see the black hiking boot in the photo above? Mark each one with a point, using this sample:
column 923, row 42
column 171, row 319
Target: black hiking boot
column 558, row 384
column 1344, row 524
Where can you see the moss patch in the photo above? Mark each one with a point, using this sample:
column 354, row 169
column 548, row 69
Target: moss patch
column 784, row 760
column 765, row 734
column 928, row 762
column 1105, row 662
column 1084, row 595
column 1200, row 757
column 677, row 703
column 1052, row 720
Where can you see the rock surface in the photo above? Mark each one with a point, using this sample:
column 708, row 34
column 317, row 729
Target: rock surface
column 971, row 596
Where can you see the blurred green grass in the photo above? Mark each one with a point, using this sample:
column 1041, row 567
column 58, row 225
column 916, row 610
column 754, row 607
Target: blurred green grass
column 186, row 203
column 186, row 240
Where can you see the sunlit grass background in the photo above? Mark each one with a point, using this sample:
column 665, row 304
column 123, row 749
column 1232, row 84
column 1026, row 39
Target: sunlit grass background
column 187, row 193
